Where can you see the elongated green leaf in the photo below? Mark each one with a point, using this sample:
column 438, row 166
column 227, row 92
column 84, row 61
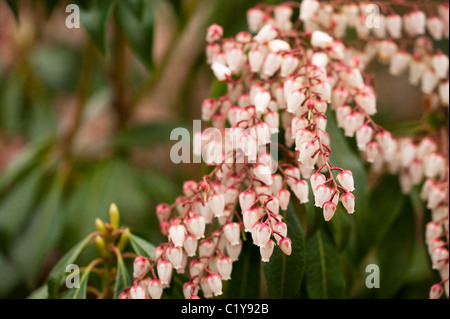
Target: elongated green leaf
column 314, row 216
column 80, row 292
column 18, row 203
column 95, row 20
column 395, row 253
column 136, row 17
column 324, row 278
column 284, row 274
column 41, row 236
column 141, row 246
column 245, row 282
column 40, row 293
column 386, row 202
column 123, row 278
column 341, row 228
column 150, row 134
column 29, row 157
column 9, row 276
column 57, row 275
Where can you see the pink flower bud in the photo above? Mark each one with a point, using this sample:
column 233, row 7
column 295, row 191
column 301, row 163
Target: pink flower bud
column 273, row 120
column 372, row 151
column 363, row 136
column 137, row 292
column 177, row 234
column 394, row 25
column 316, row 180
column 140, row 267
column 224, row 266
column 155, row 289
column 338, row 97
column 399, row 63
column 434, row 165
column 174, row 255
column 272, row 64
column 196, row 225
column 355, row 79
column 308, row 8
column 433, row 231
column 189, row 290
column 215, row 284
column 235, row 59
column 234, row 251
column 222, row 72
column 345, row 178
column 435, row 26
column 190, row 245
column 273, row 205
column 196, row 267
column 164, row 269
column 308, row 154
column 321, row 195
column 292, row 175
column 294, row 100
column 444, row 93
column 206, row 288
column 286, row 246
column 256, row 59
column 217, row 204
column 255, row 19
column 415, row 23
column 440, row 63
column 263, row 173
column 289, row 65
column 436, row 291
column 266, row 34
column 348, row 201
column 302, row 136
column 341, row 112
column 267, row 250
column 206, row 248
column 249, row 217
column 263, row 234
column 281, row 228
column 430, row 80
column 162, row 212
column 262, row 99
column 301, row 191
column 439, row 256
column 232, row 233
column 329, row 208
column 214, row 33
column 246, row 199
column 284, row 196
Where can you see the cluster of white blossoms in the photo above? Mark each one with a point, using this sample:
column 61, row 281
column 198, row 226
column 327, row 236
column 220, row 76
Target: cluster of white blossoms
column 283, row 77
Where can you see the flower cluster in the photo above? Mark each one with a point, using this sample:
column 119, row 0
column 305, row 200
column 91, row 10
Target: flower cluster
column 288, row 76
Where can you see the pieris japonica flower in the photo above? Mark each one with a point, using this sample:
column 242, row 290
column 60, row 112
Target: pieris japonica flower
column 282, row 79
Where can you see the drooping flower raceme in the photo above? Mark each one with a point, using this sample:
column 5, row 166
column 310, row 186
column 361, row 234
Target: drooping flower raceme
column 289, row 77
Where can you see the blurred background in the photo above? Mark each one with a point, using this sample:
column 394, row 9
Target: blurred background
column 86, row 115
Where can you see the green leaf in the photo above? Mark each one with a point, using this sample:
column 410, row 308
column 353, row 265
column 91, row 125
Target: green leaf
column 40, row 293
column 141, row 246
column 386, row 202
column 14, row 5
column 32, row 247
column 136, row 18
column 18, row 203
column 395, row 253
column 10, row 277
column 324, row 277
column 12, row 103
column 218, row 88
column 58, row 273
column 95, row 20
column 284, row 274
column 245, row 278
column 123, row 279
column 314, row 216
column 145, row 135
column 340, row 227
column 80, row 292
column 27, row 159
